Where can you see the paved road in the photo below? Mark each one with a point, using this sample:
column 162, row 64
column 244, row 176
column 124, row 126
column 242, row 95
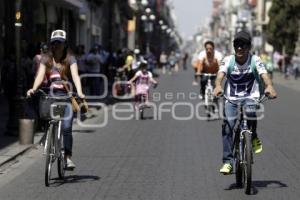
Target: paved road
column 166, row 159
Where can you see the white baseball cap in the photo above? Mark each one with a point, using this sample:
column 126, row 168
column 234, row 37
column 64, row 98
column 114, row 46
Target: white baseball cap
column 136, row 51
column 58, row 35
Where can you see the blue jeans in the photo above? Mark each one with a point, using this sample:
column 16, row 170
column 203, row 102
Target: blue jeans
column 66, row 126
column 231, row 112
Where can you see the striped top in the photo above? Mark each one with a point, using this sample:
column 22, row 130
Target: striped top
column 55, row 78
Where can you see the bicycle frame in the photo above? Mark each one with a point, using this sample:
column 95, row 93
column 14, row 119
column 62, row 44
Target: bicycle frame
column 55, row 124
column 208, row 96
column 54, row 148
column 242, row 149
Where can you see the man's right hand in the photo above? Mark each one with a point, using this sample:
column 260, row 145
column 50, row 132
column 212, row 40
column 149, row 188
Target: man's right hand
column 217, row 91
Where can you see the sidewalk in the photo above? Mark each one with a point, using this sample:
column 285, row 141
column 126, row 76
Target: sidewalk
column 9, row 145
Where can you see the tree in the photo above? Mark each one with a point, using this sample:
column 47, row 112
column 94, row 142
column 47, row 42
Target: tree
column 283, row 27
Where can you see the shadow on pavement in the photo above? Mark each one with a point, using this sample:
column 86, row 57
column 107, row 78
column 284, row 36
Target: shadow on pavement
column 147, row 118
column 260, row 184
column 74, row 179
column 84, row 131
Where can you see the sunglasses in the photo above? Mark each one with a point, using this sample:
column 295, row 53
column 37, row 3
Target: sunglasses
column 240, row 44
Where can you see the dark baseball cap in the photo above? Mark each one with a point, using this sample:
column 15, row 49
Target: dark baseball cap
column 244, row 36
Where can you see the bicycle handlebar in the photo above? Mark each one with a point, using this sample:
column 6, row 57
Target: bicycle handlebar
column 68, row 96
column 206, row 74
column 262, row 99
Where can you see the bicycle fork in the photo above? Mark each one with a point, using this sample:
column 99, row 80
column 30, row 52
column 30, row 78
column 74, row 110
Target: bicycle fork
column 244, row 130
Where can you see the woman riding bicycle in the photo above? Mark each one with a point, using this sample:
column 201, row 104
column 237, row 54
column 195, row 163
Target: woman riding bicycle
column 59, row 65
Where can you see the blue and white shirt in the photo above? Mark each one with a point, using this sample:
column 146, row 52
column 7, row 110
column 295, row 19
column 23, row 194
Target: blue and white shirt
column 241, row 82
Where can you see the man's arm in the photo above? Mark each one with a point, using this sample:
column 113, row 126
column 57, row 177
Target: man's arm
column 261, row 69
column 218, row 89
column 199, row 66
column 269, row 86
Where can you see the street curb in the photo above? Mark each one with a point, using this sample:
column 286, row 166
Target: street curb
column 14, row 153
column 19, row 153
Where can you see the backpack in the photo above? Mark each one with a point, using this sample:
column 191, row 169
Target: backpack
column 254, row 71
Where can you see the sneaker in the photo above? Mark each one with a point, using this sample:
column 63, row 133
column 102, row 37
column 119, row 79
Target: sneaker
column 195, row 83
column 70, row 165
column 226, row 169
column 200, row 97
column 256, row 145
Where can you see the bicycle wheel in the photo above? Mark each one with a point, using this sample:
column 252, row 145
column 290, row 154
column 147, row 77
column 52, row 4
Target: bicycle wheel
column 142, row 113
column 60, row 152
column 209, row 110
column 142, row 106
column 247, row 162
column 49, row 145
column 238, row 163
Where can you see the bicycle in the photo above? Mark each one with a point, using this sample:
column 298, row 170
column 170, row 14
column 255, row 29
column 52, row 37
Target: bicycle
column 208, row 95
column 52, row 110
column 141, row 103
column 141, row 100
column 242, row 148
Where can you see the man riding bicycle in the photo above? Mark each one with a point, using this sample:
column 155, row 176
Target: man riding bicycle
column 208, row 62
column 243, row 72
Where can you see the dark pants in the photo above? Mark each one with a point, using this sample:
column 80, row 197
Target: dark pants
column 296, row 71
column 231, row 112
column 95, row 83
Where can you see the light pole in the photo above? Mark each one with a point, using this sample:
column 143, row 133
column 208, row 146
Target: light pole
column 15, row 102
column 164, row 27
column 148, row 18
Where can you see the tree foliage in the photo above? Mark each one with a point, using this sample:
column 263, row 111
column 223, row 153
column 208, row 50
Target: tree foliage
column 283, row 27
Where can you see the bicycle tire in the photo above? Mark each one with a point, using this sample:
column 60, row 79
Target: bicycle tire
column 247, row 162
column 210, row 110
column 49, row 148
column 142, row 106
column 61, row 153
column 142, row 113
column 238, row 164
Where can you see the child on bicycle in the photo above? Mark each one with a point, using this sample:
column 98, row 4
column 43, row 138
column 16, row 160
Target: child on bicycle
column 142, row 78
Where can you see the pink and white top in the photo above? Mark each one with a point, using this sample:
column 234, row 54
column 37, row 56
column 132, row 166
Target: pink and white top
column 54, row 77
column 143, row 82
